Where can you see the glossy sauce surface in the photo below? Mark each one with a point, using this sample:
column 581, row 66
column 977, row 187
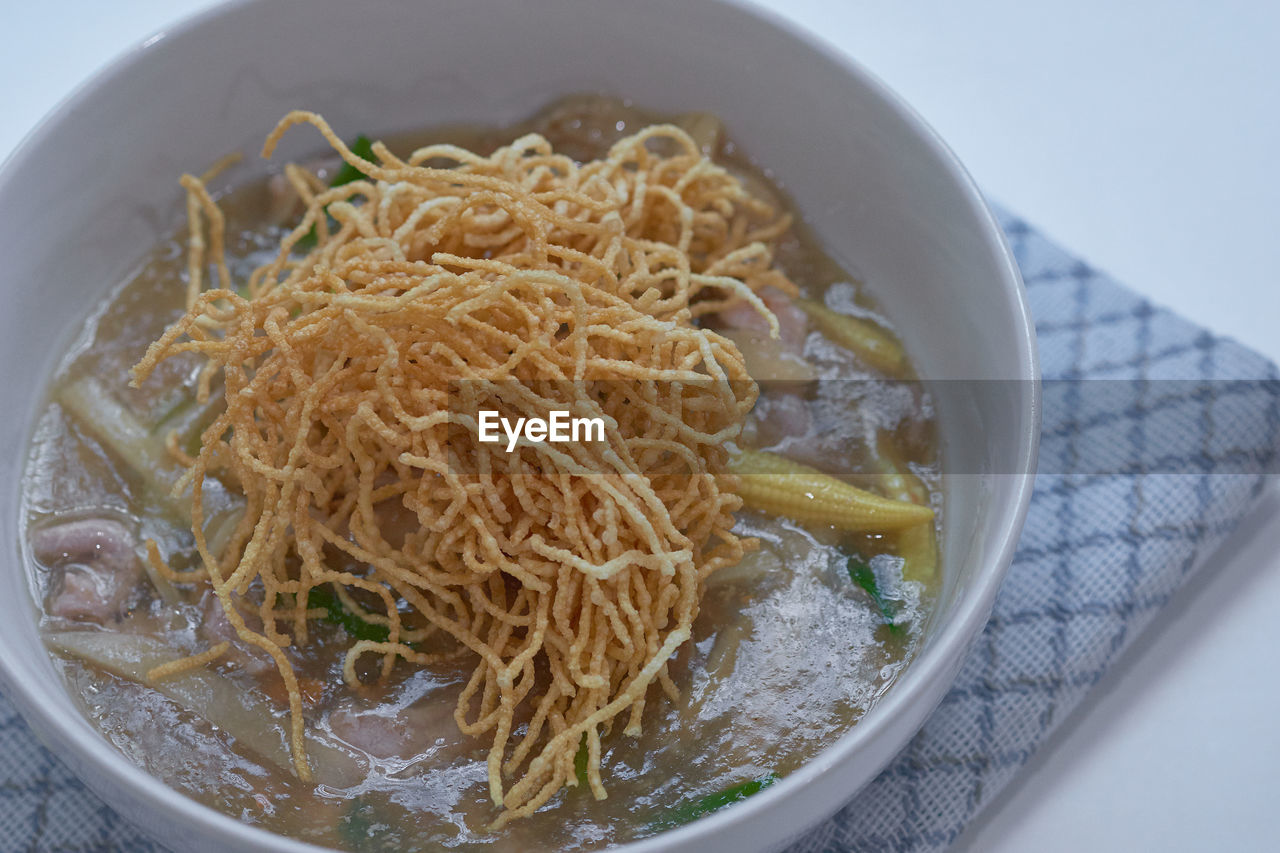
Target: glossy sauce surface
column 788, row 651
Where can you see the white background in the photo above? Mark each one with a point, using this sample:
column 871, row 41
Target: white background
column 1145, row 137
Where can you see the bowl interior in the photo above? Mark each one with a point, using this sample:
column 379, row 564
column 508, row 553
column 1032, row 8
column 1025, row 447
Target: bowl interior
column 96, row 185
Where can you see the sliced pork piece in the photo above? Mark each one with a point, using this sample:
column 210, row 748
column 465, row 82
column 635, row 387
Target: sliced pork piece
column 216, row 628
column 401, row 733
column 95, row 564
column 779, row 416
column 793, row 323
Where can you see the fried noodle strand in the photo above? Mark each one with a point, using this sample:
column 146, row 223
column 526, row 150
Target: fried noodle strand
column 352, row 374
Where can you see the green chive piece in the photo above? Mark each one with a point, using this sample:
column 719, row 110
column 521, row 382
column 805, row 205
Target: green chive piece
column 321, row 597
column 691, row 811
column 362, row 148
column 860, row 572
column 361, row 827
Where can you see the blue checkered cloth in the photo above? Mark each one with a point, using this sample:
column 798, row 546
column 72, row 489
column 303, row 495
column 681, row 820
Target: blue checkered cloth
column 1156, row 440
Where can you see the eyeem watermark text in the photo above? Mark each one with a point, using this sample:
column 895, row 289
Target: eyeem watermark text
column 559, row 427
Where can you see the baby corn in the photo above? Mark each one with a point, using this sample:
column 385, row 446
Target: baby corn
column 778, row 486
column 917, row 546
column 875, row 345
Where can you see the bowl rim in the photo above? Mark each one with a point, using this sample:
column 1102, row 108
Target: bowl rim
column 75, row 735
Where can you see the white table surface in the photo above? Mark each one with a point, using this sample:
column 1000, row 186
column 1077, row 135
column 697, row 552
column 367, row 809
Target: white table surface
column 1144, row 138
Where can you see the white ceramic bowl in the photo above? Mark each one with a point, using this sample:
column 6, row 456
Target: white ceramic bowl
column 96, row 184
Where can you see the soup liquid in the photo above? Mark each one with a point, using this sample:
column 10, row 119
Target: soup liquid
column 788, row 653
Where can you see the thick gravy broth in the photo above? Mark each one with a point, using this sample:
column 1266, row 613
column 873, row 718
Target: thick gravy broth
column 791, row 646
